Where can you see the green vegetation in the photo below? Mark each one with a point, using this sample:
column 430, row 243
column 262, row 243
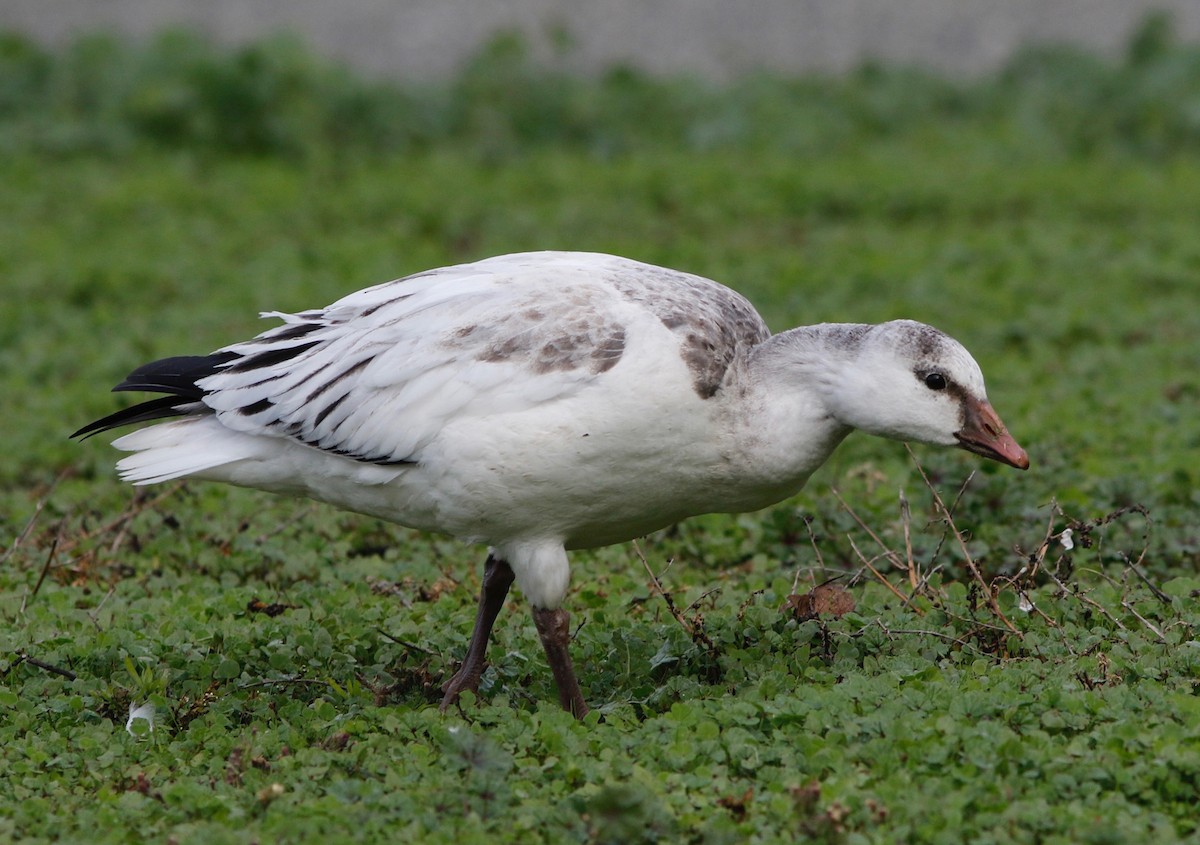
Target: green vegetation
column 155, row 199
column 274, row 98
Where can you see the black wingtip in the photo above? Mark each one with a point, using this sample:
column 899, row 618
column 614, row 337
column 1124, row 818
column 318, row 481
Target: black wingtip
column 162, row 407
column 176, row 377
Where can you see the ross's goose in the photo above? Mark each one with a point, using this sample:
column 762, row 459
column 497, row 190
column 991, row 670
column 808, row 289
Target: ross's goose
column 542, row 402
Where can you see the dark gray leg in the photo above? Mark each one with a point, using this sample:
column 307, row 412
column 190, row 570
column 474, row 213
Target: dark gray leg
column 497, row 578
column 554, row 627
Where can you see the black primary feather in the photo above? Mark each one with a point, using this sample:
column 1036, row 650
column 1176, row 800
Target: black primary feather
column 175, row 376
column 270, row 357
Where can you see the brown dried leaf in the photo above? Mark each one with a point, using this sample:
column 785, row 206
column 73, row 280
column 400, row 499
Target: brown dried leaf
column 434, row 591
column 737, row 805
column 336, row 742
column 273, row 609
column 394, row 589
column 828, row 599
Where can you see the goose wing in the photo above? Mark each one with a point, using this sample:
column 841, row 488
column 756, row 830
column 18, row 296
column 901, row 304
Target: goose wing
column 376, row 375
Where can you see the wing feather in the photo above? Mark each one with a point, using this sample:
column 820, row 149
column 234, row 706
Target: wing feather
column 379, row 373
column 376, row 375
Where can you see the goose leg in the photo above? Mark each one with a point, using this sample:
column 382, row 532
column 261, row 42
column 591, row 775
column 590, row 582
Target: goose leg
column 497, row 578
column 554, row 628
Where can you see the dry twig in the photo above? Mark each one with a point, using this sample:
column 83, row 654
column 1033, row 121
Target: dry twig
column 22, row 657
column 45, row 566
column 37, row 512
column 695, row 631
column 812, row 539
column 988, row 593
column 137, row 505
column 882, row 579
column 892, row 557
column 914, row 572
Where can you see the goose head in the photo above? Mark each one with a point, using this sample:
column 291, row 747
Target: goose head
column 908, row 381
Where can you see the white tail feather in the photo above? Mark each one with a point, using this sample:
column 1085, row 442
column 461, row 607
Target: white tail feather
column 177, row 449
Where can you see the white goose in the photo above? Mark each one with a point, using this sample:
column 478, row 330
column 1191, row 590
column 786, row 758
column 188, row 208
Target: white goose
column 542, row 402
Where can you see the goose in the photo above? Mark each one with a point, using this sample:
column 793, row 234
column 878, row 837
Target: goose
column 544, row 402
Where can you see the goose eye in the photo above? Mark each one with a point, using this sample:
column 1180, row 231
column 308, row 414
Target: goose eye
column 935, row 381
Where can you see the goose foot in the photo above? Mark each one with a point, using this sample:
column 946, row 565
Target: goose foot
column 497, row 578
column 554, row 628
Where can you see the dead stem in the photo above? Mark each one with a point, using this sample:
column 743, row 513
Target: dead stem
column 45, row 566
column 1128, row 605
column 993, row 605
column 1153, row 628
column 272, row 682
column 812, row 538
column 953, row 508
column 958, row 641
column 1086, row 599
column 961, row 490
column 892, row 557
column 1135, row 567
column 979, row 625
column 962, row 642
column 136, row 506
column 23, row 657
column 37, row 512
column 695, row 632
column 1036, row 559
column 914, row 573
column 715, row 591
column 1024, row 596
column 406, row 644
column 299, row 516
column 882, row 579
column 924, row 582
column 119, row 537
column 94, row 614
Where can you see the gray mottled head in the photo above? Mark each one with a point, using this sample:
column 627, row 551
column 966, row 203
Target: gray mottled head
column 909, row 381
